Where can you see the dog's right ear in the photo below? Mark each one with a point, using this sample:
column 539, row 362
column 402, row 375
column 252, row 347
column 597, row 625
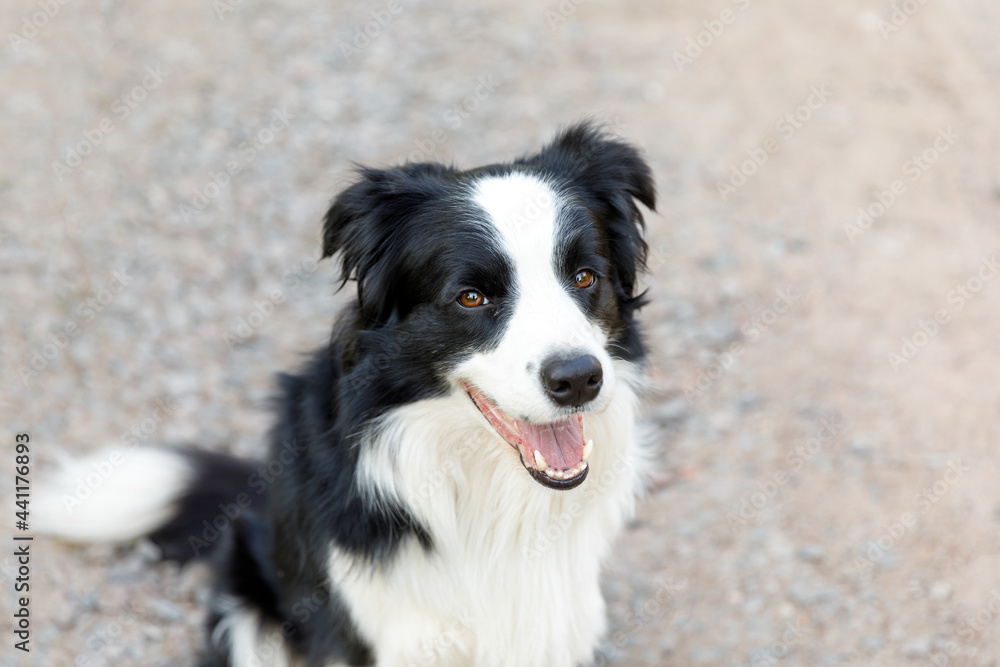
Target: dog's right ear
column 612, row 176
column 367, row 225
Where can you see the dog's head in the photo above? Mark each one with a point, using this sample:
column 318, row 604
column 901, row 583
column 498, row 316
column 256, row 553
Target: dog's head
column 513, row 283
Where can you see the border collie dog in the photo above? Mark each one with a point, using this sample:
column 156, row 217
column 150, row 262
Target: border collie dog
column 447, row 476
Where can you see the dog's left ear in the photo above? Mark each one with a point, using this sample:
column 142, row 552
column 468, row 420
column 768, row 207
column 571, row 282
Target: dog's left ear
column 611, row 177
column 368, row 225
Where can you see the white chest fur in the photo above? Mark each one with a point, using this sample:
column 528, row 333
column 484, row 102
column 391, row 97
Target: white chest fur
column 513, row 577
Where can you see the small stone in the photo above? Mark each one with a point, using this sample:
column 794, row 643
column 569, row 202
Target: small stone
column 719, row 261
column 861, row 447
column 890, row 559
column 672, row 411
column 811, row 553
column 941, row 590
column 203, row 596
column 872, row 643
column 653, row 91
column 917, row 647
column 720, row 331
column 166, row 610
column 195, row 579
column 711, row 655
column 744, row 403
column 147, row 551
column 805, row 595
column 667, row 644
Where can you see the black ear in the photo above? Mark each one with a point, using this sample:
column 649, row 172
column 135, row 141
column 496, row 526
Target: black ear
column 367, row 224
column 610, row 176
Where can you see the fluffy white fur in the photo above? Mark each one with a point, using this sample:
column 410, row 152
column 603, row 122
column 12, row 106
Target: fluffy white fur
column 113, row 495
column 513, row 577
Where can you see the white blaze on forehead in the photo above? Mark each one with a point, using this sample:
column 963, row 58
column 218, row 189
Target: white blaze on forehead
column 523, row 212
column 523, row 209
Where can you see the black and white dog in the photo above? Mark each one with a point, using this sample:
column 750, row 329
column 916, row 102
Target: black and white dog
column 447, row 476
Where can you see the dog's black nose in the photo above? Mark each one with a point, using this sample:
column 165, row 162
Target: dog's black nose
column 573, row 381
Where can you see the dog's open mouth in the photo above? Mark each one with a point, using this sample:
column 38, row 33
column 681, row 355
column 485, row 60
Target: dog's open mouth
column 555, row 454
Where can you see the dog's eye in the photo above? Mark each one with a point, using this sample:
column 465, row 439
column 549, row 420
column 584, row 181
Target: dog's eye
column 584, row 279
column 472, row 299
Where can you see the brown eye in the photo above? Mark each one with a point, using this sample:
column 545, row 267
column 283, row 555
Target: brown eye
column 471, row 299
column 584, row 279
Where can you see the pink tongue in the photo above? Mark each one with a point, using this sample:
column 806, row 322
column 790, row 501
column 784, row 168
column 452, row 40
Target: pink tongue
column 561, row 442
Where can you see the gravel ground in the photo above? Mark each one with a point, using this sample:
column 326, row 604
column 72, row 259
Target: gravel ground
column 828, row 490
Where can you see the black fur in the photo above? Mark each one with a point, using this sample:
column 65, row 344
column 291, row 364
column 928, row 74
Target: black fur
column 406, row 235
column 203, row 510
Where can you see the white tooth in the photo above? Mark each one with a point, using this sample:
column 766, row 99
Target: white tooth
column 540, row 461
column 587, row 449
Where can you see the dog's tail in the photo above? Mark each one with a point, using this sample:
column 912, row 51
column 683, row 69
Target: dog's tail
column 183, row 500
